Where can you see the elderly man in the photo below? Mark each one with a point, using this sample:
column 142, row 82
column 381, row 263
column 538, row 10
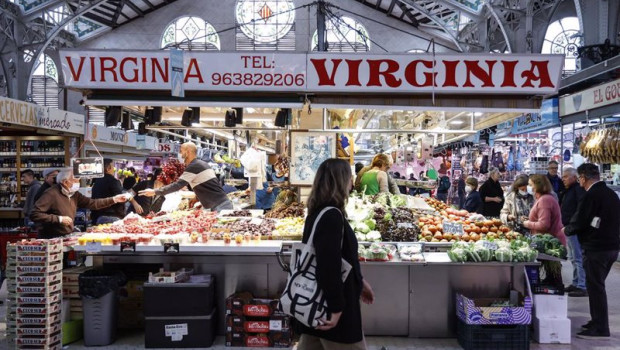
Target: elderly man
column 572, row 196
column 55, row 210
column 200, row 177
column 556, row 181
column 49, row 180
column 597, row 224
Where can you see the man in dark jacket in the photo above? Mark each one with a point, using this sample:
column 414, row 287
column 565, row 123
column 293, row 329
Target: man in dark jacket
column 556, row 181
column 571, row 198
column 597, row 224
column 104, row 187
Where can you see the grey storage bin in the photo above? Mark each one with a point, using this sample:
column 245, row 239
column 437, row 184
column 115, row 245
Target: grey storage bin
column 100, row 317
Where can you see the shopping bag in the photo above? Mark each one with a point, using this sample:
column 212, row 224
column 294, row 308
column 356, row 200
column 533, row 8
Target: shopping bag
column 302, row 298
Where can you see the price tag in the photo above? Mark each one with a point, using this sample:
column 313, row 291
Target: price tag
column 275, row 325
column 452, row 227
column 176, row 329
column 128, row 247
column 93, row 247
column 171, row 248
column 490, row 245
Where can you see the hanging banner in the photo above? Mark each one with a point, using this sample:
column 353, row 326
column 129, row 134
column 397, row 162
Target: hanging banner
column 315, row 72
column 176, row 72
column 598, row 96
column 29, row 114
column 530, row 122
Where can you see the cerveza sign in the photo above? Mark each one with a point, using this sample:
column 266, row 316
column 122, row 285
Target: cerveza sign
column 315, row 72
column 28, row 114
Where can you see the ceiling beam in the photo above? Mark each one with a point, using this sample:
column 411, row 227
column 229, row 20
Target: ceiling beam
column 149, row 4
column 119, row 10
column 438, row 21
column 135, row 8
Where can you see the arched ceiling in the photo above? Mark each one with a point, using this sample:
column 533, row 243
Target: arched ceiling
column 459, row 21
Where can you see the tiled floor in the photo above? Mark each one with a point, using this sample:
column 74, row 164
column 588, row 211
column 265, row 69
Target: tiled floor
column 577, row 310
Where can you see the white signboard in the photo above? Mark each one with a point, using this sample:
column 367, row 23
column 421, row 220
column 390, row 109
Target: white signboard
column 29, row 114
column 98, row 133
column 595, row 97
column 316, row 72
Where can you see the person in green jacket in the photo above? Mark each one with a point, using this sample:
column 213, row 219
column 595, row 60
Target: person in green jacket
column 375, row 180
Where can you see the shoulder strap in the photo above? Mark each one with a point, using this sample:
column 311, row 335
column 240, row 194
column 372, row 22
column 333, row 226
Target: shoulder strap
column 316, row 221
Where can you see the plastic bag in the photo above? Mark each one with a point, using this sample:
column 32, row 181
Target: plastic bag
column 95, row 284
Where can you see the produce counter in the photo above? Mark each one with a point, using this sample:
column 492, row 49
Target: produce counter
column 415, row 299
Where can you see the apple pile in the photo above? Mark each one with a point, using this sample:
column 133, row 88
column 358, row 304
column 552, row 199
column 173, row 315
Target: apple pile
column 473, row 231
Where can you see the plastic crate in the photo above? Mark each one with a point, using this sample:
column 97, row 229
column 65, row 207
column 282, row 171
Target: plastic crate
column 491, row 337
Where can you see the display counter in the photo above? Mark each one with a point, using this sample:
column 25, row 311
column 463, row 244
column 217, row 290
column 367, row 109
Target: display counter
column 415, row 299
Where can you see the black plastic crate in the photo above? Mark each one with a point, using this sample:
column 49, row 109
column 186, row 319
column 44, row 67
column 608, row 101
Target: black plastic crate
column 492, row 337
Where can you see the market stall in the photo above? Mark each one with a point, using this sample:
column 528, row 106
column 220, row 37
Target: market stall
column 355, row 110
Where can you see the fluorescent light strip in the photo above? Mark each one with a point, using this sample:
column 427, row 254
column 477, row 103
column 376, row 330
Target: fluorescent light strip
column 185, row 103
column 426, row 108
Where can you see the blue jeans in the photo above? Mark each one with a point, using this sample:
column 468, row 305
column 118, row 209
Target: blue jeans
column 576, row 258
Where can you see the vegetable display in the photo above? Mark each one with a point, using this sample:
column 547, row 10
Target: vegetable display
column 498, row 250
column 547, row 244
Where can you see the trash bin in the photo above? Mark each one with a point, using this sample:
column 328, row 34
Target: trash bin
column 99, row 293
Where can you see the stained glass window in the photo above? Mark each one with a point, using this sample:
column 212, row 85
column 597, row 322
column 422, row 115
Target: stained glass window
column 564, row 37
column 265, row 25
column 190, row 33
column 44, row 88
column 344, row 34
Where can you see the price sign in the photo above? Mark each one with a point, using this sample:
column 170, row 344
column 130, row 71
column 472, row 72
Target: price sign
column 404, row 225
column 171, row 248
column 93, row 247
column 128, row 247
column 452, row 227
column 490, row 245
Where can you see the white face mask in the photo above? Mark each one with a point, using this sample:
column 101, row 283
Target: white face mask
column 523, row 193
column 71, row 191
column 530, row 190
column 468, row 189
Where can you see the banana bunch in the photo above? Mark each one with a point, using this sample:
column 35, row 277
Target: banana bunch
column 225, row 159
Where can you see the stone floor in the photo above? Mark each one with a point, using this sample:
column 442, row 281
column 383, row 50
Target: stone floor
column 577, row 311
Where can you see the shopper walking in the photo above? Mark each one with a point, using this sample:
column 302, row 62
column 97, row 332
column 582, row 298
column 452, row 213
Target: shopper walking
column 492, row 194
column 33, row 186
column 333, row 241
column 202, row 179
column 55, row 211
column 554, row 178
column 473, row 202
column 572, row 197
column 597, row 224
column 517, row 205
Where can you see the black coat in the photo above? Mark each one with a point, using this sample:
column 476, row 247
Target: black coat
column 603, row 203
column 473, row 202
column 491, row 188
column 104, row 187
column 572, row 196
column 341, row 297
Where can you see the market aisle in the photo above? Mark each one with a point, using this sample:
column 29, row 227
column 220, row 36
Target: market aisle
column 577, row 311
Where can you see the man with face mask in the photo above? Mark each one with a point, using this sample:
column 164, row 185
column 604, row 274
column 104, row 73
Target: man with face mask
column 55, row 210
column 49, row 180
column 570, row 200
column 200, row 177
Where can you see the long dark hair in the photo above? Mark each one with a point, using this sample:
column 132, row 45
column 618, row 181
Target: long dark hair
column 331, row 186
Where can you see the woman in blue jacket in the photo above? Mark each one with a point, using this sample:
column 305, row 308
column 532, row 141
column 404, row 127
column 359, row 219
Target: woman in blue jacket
column 473, row 202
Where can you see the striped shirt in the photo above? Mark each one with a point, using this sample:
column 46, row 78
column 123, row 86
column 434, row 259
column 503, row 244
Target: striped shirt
column 202, row 179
